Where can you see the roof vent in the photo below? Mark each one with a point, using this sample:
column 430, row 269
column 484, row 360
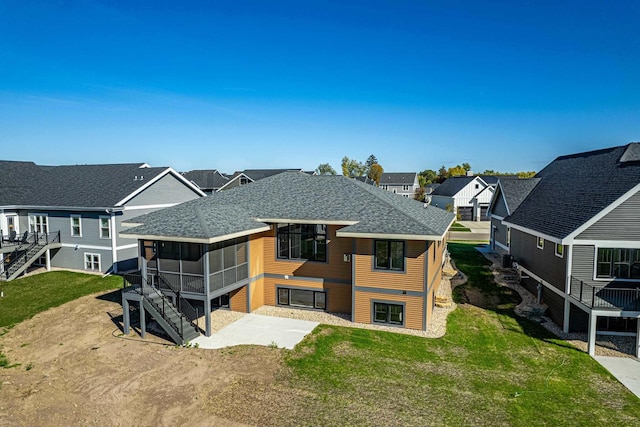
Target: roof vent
column 632, row 153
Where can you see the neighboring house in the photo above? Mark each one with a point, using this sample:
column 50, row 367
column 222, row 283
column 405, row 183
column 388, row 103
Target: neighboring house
column 207, row 180
column 350, row 248
column 252, row 175
column 509, row 194
column 575, row 236
column 467, row 196
column 70, row 216
column 403, row 183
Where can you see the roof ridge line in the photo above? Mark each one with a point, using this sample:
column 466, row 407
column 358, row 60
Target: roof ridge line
column 388, row 202
column 202, row 221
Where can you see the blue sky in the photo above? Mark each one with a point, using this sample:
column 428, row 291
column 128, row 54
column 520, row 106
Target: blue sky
column 504, row 85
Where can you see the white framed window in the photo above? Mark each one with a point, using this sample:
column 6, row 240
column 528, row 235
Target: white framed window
column 76, row 226
column 105, row 227
column 540, row 243
column 384, row 187
column 559, row 250
column 92, row 262
column 405, row 188
column 618, row 263
column 38, row 223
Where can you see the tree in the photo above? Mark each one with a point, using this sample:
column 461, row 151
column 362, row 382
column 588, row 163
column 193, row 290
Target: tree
column 442, row 174
column 325, row 169
column 529, row 174
column 371, row 160
column 375, row 173
column 466, row 167
column 419, row 194
column 352, row 168
column 427, row 176
column 456, row 171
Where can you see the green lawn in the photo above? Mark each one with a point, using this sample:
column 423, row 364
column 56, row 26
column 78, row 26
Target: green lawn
column 492, row 368
column 28, row 296
column 459, row 227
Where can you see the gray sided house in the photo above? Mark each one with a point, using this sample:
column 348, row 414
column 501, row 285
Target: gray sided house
column 508, row 196
column 207, row 180
column 467, row 196
column 574, row 234
column 403, row 183
column 71, row 216
column 248, row 176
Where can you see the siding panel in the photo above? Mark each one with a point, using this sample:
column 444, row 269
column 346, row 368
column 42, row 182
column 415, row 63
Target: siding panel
column 542, row 262
column 412, row 279
column 413, row 313
column 238, row 300
column 623, row 223
column 335, row 268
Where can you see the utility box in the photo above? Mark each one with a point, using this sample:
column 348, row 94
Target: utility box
column 507, row 261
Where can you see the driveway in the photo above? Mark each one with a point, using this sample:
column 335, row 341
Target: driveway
column 259, row 330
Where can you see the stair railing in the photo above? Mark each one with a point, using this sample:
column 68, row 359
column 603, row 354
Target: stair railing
column 142, row 285
column 183, row 306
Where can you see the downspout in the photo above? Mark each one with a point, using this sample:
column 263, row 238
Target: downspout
column 114, row 236
column 567, row 302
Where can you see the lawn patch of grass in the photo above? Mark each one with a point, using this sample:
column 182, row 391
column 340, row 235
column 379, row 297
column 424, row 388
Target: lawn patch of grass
column 491, row 368
column 28, row 296
column 459, row 227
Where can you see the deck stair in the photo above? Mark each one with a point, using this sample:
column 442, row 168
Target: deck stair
column 25, row 254
column 171, row 319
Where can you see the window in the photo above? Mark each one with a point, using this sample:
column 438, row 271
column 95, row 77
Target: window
column 384, row 187
column 302, row 298
column 508, row 236
column 405, row 188
column 92, row 262
column 389, row 255
column 76, row 226
column 388, row 313
column 540, row 243
column 38, row 223
column 477, row 186
column 618, row 264
column 559, row 250
column 105, row 227
column 302, row 241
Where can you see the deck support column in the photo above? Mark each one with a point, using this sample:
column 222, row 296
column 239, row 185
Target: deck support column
column 638, row 339
column 48, row 259
column 567, row 311
column 591, row 341
column 126, row 316
column 143, row 323
column 207, row 317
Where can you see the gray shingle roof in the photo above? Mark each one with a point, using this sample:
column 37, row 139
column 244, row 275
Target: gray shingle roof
column 516, row 190
column 301, row 197
column 398, row 178
column 206, row 178
column 573, row 189
column 451, row 186
column 27, row 184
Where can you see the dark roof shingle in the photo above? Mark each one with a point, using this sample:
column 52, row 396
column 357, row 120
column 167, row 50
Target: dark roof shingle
column 573, row 189
column 301, row 197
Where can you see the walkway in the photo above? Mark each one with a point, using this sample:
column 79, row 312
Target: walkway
column 626, row 370
column 254, row 329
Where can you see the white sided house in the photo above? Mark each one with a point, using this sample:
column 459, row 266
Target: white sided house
column 467, row 196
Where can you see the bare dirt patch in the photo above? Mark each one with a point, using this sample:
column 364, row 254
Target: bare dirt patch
column 76, row 368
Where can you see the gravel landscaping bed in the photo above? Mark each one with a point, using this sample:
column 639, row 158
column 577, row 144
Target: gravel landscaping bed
column 615, row 346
